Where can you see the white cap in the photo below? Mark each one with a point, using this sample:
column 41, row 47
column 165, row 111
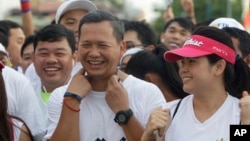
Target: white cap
column 226, row 22
column 74, row 4
column 3, row 50
column 130, row 51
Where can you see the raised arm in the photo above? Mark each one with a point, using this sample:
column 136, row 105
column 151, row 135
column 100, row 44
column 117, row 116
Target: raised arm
column 188, row 8
column 27, row 18
column 68, row 125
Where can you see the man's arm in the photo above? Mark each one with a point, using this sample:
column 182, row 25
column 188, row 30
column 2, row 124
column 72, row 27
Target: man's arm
column 27, row 18
column 68, row 125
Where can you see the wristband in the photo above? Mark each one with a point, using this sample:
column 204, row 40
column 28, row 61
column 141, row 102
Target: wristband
column 25, row 6
column 75, row 96
column 71, row 108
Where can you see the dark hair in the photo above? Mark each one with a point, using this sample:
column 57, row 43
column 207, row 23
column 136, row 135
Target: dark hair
column 237, row 76
column 98, row 16
column 145, row 32
column 8, row 25
column 243, row 37
column 4, row 37
column 53, row 33
column 28, row 40
column 146, row 61
column 182, row 21
column 205, row 22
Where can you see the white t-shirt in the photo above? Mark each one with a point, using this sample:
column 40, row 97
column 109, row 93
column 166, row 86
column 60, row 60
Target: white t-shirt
column 97, row 119
column 22, row 101
column 186, row 127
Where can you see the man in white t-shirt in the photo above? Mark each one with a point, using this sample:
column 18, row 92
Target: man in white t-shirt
column 22, row 101
column 101, row 103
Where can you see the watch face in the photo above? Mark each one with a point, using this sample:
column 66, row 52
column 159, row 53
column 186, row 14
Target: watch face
column 121, row 117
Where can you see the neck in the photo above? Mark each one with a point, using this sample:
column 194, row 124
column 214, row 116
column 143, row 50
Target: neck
column 100, row 84
column 207, row 103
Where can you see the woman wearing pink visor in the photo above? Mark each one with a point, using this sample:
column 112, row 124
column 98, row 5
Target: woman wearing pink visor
column 219, row 83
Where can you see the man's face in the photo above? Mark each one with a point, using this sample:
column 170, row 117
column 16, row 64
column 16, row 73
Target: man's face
column 16, row 41
column 71, row 20
column 175, row 36
column 27, row 56
column 53, row 62
column 131, row 37
column 99, row 51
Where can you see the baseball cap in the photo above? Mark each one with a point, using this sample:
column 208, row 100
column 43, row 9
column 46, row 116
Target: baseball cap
column 226, row 22
column 198, row 46
column 3, row 50
column 74, row 4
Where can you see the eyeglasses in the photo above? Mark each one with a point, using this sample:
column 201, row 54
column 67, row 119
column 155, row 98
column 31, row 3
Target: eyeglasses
column 130, row 44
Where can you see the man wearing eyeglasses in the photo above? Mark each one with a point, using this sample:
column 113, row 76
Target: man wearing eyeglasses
column 139, row 34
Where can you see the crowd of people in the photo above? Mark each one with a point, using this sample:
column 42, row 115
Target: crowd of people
column 90, row 75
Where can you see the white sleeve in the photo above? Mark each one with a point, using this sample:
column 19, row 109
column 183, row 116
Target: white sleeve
column 23, row 102
column 29, row 110
column 54, row 110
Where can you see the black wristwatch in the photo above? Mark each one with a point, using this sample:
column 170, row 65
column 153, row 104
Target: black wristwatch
column 123, row 116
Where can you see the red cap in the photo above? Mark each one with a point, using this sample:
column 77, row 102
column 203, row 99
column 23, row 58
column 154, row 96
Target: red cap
column 198, row 46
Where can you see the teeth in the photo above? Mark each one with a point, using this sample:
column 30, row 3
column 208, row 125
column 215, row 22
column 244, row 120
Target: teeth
column 95, row 62
column 174, row 45
column 186, row 78
column 51, row 69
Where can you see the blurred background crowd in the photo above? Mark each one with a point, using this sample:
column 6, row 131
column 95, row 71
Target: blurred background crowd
column 150, row 10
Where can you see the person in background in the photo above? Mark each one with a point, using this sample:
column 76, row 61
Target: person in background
column 127, row 56
column 240, row 40
column 187, row 7
column 12, row 128
column 151, row 67
column 16, row 39
column 54, row 46
column 26, row 52
column 176, row 31
column 22, row 101
column 68, row 14
column 99, row 89
column 218, row 81
column 27, row 17
column 139, row 34
column 189, row 10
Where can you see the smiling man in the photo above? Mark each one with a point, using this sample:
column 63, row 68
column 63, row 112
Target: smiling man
column 54, row 46
column 97, row 106
column 176, row 31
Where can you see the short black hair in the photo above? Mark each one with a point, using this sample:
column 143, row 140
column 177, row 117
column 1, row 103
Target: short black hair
column 243, row 37
column 144, row 31
column 8, row 25
column 97, row 16
column 55, row 32
column 4, row 37
column 28, row 40
column 182, row 21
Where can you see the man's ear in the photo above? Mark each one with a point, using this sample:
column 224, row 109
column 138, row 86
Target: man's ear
column 150, row 47
column 122, row 48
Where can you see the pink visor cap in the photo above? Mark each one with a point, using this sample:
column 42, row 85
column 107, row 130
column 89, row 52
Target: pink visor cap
column 198, row 46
